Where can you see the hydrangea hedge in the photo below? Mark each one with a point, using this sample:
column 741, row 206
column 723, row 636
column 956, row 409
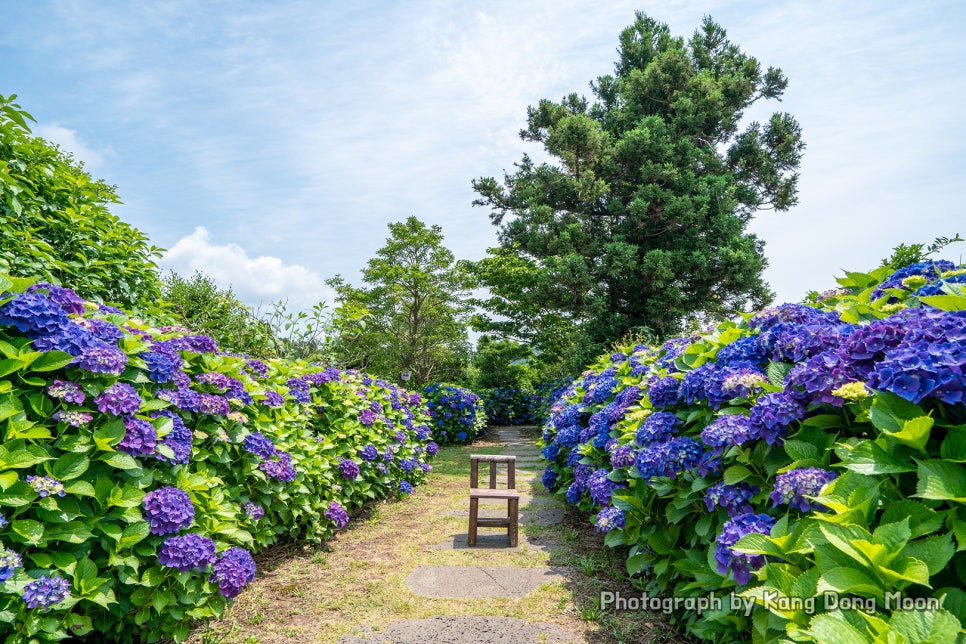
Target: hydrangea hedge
column 515, row 406
column 140, row 468
column 457, row 414
column 806, row 454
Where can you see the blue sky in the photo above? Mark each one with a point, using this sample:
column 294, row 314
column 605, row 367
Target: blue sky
column 269, row 143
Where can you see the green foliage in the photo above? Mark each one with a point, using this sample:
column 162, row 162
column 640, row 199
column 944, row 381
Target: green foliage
column 56, row 223
column 97, row 536
column 415, row 308
column 199, row 304
column 876, row 555
column 500, row 363
column 640, row 221
column 905, row 254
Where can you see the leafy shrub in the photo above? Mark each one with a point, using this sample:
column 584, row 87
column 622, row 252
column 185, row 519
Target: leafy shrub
column 56, row 223
column 140, row 467
column 509, row 406
column 806, row 453
column 457, row 413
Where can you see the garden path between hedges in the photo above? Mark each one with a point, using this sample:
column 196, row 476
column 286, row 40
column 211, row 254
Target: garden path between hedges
column 402, row 572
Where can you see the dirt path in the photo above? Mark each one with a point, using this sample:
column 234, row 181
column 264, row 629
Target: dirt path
column 404, row 574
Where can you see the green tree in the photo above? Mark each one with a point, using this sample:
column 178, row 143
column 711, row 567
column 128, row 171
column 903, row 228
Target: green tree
column 639, row 219
column 56, row 223
column 500, row 363
column 416, row 305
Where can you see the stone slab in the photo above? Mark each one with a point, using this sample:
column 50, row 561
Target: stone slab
column 544, row 516
column 493, row 541
column 466, row 630
column 479, row 582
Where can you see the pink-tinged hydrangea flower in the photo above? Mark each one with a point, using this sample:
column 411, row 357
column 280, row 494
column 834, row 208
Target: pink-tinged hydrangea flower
column 118, row 399
column 338, row 515
column 742, row 382
column 188, row 552
column 102, row 359
column 233, row 570
column 140, row 437
column 733, row 498
column 259, row 445
column 213, row 405
column 9, row 562
column 273, row 399
column 610, row 518
column 216, row 379
column 46, row 486
column 733, row 429
column 794, row 486
column 238, row 417
column 349, row 468
column 168, row 510
column 46, row 591
column 279, row 467
column 68, row 391
column 73, row 417
column 253, row 511
column 733, row 530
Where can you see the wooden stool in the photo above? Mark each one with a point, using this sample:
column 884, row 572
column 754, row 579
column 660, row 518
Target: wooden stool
column 512, row 520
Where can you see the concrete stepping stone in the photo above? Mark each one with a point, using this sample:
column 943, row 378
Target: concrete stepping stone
column 493, row 542
column 543, row 516
column 479, row 582
column 466, row 630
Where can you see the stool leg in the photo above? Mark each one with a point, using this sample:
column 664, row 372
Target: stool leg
column 492, row 475
column 513, row 511
column 474, row 513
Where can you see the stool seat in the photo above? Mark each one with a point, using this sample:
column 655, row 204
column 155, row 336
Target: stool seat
column 512, row 520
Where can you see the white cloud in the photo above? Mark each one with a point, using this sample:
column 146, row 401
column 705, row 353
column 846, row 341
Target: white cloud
column 255, row 280
column 69, row 142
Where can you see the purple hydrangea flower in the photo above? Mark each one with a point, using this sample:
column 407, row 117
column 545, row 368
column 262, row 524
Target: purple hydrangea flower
column 233, row 570
column 163, row 361
column 432, row 448
column 657, row 427
column 773, row 413
column 663, row 392
column 253, row 511
column 102, row 359
column 46, row 486
column 610, row 518
column 338, row 515
column 794, row 486
column 67, row 299
column 46, row 591
column 733, row 429
column 213, row 405
column 259, row 445
column 256, row 368
column 187, row 552
column 73, row 418
column 733, row 530
column 623, row 456
column 118, row 399
column 601, row 487
column 349, row 468
column 140, row 437
column 194, row 344
column 369, row 453
column 279, row 467
column 9, row 562
column 273, row 399
column 179, row 439
column 367, row 417
column 168, row 510
column 216, row 379
column 299, row 390
column 734, row 498
column 68, row 391
column 669, row 458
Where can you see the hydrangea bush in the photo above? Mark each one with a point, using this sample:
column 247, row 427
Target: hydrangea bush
column 457, row 414
column 515, row 406
column 809, row 451
column 140, row 468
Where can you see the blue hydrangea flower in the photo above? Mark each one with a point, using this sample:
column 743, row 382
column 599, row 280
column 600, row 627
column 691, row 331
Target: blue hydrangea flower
column 406, row 487
column 657, row 427
column 187, row 552
column 233, row 570
column 549, row 478
column 574, row 492
column 9, row 562
column 432, row 448
column 168, row 510
column 733, row 498
column 180, row 439
column 369, row 453
column 610, row 518
column 259, row 444
column 663, row 392
column 601, row 487
column 46, row 486
column 773, row 413
column 550, row 452
column 46, row 591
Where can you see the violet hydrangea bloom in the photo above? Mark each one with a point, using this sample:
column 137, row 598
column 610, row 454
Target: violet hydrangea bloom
column 233, row 570
column 663, row 392
column 338, row 515
column 256, row 368
column 432, row 448
column 33, row 314
column 623, row 456
column 168, row 510
column 163, row 361
column 140, row 437
column 794, row 486
column 733, row 498
column 73, row 417
column 367, row 417
column 609, row 518
column 273, row 399
column 46, row 486
column 179, row 439
column 601, row 487
column 46, row 591
column 732, row 429
column 9, row 562
column 773, row 413
column 213, row 405
column 68, row 391
column 349, row 468
column 102, row 359
column 549, row 478
column 369, row 453
column 66, row 298
column 741, row 565
column 259, row 444
column 279, row 467
column 118, row 399
column 657, row 427
column 187, row 552
column 669, row 458
column 253, row 511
